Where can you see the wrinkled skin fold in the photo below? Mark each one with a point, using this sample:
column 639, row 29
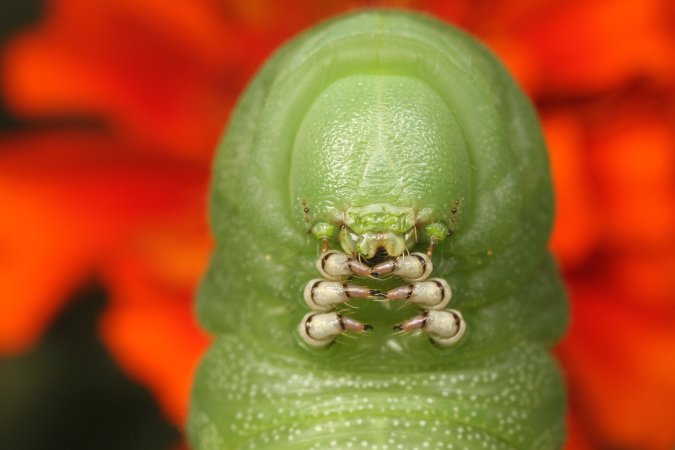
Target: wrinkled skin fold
column 396, row 108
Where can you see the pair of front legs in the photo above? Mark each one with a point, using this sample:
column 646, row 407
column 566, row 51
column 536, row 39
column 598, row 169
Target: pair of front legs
column 320, row 327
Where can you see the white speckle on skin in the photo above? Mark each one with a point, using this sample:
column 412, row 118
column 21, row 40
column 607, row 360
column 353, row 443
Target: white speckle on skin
column 378, row 409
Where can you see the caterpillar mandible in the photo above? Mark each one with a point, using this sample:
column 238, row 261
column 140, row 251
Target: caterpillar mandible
column 381, row 204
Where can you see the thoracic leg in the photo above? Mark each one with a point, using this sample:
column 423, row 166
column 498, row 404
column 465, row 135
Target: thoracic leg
column 321, row 329
column 412, row 267
column 444, row 327
column 431, row 294
column 324, row 295
column 336, row 266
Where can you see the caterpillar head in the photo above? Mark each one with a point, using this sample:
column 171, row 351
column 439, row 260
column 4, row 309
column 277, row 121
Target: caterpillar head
column 379, row 161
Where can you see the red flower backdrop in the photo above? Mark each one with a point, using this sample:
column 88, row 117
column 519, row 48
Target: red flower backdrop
column 137, row 92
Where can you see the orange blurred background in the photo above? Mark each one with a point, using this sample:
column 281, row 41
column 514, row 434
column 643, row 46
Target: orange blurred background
column 112, row 111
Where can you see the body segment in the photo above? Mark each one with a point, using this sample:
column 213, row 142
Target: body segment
column 391, row 155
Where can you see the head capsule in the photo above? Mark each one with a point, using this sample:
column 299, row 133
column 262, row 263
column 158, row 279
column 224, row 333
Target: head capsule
column 378, row 230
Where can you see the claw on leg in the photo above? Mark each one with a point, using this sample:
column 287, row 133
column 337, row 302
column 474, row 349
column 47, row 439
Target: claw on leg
column 321, row 329
column 323, row 295
column 412, row 267
column 431, row 294
column 444, row 328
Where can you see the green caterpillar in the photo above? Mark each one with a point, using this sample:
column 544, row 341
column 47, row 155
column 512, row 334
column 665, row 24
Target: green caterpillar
column 379, row 167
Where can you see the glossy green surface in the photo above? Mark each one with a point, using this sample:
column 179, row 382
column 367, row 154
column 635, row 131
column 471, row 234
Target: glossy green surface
column 378, row 138
column 396, row 108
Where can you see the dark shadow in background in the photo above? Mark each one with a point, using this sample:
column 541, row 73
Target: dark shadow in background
column 67, row 393
column 15, row 15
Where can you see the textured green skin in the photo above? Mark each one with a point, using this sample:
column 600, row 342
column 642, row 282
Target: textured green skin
column 316, row 124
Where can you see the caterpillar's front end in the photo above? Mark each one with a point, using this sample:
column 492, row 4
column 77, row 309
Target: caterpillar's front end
column 381, row 207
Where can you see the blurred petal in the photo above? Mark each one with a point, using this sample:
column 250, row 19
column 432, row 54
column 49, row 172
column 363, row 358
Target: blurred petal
column 576, row 436
column 633, row 160
column 164, row 74
column 576, row 44
column 575, row 232
column 70, row 198
column 147, row 66
column 572, row 48
column 620, row 370
column 649, row 275
column 149, row 325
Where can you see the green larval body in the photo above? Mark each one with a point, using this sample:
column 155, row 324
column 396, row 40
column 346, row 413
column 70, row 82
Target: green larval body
column 400, row 109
